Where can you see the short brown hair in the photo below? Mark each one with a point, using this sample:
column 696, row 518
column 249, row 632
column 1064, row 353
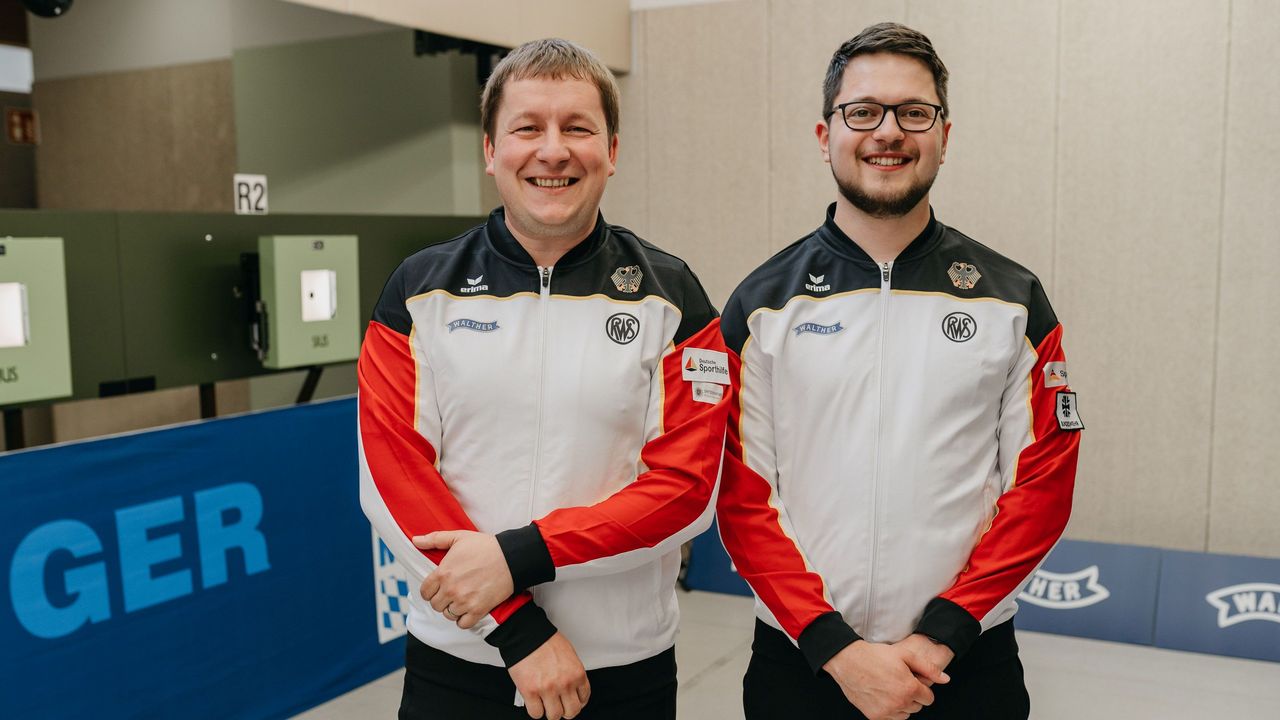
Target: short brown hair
column 885, row 38
column 555, row 59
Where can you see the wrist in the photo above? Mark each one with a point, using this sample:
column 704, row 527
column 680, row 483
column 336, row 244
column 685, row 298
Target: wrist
column 528, row 559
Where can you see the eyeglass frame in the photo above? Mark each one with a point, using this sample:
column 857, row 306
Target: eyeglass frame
column 938, row 111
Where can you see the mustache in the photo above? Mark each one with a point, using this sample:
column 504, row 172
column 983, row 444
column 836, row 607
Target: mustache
column 898, row 147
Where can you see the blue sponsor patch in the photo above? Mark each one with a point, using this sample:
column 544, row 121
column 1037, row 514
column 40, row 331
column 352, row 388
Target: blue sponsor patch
column 809, row 327
column 466, row 324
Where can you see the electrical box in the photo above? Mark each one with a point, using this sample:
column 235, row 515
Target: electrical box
column 310, row 292
column 35, row 345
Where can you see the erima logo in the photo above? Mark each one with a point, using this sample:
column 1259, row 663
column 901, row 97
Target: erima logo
column 817, row 329
column 465, row 324
column 1242, row 603
column 474, row 286
column 815, row 283
column 1065, row 591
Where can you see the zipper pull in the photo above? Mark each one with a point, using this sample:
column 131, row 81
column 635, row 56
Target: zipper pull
column 546, row 277
column 884, row 272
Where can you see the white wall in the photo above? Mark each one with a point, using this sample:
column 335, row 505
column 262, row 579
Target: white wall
column 1122, row 149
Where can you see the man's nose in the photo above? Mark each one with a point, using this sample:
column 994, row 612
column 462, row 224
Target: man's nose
column 553, row 148
column 889, row 131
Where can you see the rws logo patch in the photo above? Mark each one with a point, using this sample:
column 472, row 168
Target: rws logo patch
column 959, row 327
column 1065, row 591
column 1242, row 603
column 622, row 328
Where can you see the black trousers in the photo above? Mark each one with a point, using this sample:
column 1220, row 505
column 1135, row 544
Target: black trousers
column 439, row 686
column 986, row 684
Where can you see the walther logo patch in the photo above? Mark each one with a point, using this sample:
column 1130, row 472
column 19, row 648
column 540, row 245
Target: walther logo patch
column 465, row 324
column 817, row 329
column 1242, row 603
column 1065, row 591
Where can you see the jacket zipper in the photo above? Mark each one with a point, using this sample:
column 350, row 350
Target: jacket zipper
column 886, row 273
column 544, row 301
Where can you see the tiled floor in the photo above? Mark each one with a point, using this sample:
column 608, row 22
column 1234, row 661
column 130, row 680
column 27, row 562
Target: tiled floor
column 1069, row 678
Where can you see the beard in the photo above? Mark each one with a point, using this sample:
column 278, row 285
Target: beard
column 884, row 207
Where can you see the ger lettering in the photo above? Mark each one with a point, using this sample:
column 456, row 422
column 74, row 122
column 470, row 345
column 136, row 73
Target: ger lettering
column 60, row 579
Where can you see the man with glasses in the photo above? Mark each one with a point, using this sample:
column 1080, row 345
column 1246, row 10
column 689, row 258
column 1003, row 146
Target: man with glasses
column 903, row 450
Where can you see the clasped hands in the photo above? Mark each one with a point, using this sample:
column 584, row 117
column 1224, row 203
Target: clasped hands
column 471, row 580
column 890, row 681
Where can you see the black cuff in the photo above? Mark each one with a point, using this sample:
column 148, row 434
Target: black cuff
column 949, row 624
column 522, row 633
column 825, row 637
column 527, row 556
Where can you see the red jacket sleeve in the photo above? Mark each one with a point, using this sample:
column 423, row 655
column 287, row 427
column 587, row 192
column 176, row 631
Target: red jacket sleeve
column 670, row 502
column 401, row 490
column 1038, row 461
column 754, row 525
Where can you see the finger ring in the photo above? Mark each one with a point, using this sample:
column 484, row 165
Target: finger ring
column 448, row 612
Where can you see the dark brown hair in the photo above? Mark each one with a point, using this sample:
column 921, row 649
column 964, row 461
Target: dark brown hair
column 885, row 38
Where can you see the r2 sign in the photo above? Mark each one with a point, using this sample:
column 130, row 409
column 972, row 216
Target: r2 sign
column 251, row 194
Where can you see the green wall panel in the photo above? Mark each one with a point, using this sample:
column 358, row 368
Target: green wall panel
column 161, row 295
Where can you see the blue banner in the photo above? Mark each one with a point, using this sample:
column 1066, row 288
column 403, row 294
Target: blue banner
column 1217, row 604
column 219, row 569
column 1094, row 590
column 1220, row 604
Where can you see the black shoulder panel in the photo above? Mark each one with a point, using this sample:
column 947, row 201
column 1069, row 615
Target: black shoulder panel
column 965, row 268
column 807, row 267
column 628, row 268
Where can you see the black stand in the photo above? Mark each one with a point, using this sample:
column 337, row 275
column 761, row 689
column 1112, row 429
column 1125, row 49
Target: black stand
column 208, row 401
column 309, row 385
column 14, row 437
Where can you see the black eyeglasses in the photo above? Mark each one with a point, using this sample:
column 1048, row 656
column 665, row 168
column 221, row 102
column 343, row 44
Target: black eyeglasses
column 863, row 116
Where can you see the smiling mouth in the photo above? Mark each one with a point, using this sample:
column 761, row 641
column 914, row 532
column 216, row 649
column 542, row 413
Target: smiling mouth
column 880, row 161
column 552, row 182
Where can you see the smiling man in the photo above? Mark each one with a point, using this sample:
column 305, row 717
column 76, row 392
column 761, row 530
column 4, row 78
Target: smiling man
column 542, row 416
column 903, row 452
